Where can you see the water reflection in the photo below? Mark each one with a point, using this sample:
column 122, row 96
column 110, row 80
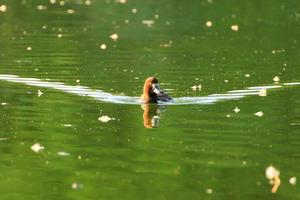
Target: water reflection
column 151, row 114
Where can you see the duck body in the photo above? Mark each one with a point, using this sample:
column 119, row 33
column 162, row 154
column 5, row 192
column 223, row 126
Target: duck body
column 152, row 93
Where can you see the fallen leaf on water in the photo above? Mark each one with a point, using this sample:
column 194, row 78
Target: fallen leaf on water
column 273, row 175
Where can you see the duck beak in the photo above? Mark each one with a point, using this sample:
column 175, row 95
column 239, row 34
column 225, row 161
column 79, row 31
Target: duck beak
column 156, row 89
column 160, row 93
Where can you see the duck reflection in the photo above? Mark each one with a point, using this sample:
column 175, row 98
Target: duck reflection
column 152, row 114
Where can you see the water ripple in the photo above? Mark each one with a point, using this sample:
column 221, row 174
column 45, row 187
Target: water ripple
column 111, row 98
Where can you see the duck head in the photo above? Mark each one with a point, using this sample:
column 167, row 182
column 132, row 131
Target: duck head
column 152, row 93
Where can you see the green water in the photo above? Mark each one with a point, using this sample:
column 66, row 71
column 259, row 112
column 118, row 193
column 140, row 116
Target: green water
column 197, row 151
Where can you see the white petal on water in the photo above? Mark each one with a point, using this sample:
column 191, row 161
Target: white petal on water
column 149, row 23
column 272, row 172
column 194, row 87
column 3, row 8
column 236, row 110
column 209, row 191
column 121, row 1
column 39, row 93
column 134, row 10
column 208, row 24
column 70, row 11
column 293, row 180
column 76, row 186
column 67, row 125
column 41, row 7
column 37, row 147
column 276, row 79
column 114, row 36
column 103, row 46
column 62, row 153
column 105, row 119
column 262, row 92
column 235, row 27
column 259, row 114
column 88, row 2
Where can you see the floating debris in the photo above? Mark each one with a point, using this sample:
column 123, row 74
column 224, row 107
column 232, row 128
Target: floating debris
column 3, row 8
column 114, row 36
column 208, row 24
column 195, row 87
column 3, row 103
column 41, row 7
column 226, row 81
column 149, row 23
column 121, row 1
column 61, row 3
column 88, row 2
column 273, row 175
column 262, row 92
column 52, row 1
column 77, row 81
column 67, row 125
column 259, row 114
column 105, row 119
column 39, row 93
column 209, row 191
column 70, row 11
column 167, row 44
column 59, row 35
column 37, row 147
column 236, row 110
column 76, row 186
column 276, row 79
column 235, row 27
column 293, row 180
column 3, row 139
column 29, row 48
column 134, row 10
column 62, row 153
column 247, row 75
column 103, row 46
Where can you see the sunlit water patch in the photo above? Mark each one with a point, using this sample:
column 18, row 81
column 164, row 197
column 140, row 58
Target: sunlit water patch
column 111, row 98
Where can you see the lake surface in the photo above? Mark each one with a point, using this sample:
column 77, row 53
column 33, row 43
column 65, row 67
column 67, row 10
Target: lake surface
column 89, row 53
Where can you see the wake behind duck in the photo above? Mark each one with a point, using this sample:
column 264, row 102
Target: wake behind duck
column 152, row 93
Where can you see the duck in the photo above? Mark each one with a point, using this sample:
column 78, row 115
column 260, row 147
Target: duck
column 152, row 93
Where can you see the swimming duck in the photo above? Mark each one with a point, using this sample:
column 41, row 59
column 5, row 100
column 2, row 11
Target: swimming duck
column 152, row 92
